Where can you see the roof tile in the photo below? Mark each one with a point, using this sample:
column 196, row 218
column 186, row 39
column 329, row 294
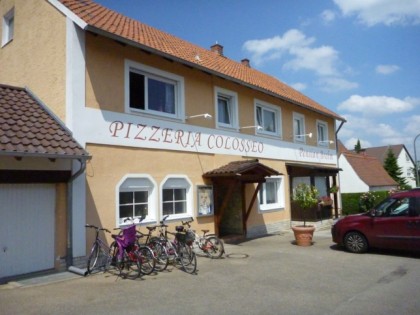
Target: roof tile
column 104, row 19
column 26, row 128
column 369, row 169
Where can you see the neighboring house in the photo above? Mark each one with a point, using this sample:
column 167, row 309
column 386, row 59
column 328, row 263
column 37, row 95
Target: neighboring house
column 361, row 173
column 139, row 101
column 403, row 157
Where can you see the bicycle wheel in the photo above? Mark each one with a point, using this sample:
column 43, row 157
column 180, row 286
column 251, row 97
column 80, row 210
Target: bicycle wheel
column 113, row 253
column 129, row 267
column 93, row 258
column 187, row 258
column 147, row 260
column 213, row 247
column 160, row 254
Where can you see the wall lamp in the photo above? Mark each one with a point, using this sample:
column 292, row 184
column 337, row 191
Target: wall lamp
column 205, row 116
column 249, row 127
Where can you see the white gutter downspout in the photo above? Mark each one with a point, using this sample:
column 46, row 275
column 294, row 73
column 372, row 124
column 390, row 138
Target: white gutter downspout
column 69, row 250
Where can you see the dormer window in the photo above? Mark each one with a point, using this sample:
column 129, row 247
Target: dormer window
column 8, row 27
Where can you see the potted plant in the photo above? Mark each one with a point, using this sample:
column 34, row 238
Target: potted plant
column 325, row 201
column 306, row 197
column 334, row 189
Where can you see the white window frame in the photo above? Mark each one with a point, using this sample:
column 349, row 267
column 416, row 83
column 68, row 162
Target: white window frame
column 159, row 75
column 296, row 132
column 281, row 195
column 232, row 98
column 138, row 182
column 277, row 117
column 300, row 180
column 178, row 181
column 8, row 27
column 322, row 142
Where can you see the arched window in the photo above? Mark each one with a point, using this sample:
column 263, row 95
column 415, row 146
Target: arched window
column 136, row 198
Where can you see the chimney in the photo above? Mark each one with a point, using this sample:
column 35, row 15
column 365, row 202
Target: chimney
column 217, row 48
column 246, row 63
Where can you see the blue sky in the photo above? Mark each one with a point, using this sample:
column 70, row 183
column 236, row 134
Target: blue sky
column 359, row 58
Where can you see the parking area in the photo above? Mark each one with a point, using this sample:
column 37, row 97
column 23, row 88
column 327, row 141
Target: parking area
column 268, row 275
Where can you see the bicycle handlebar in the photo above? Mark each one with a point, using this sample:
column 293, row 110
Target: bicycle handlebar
column 97, row 228
column 188, row 222
column 163, row 219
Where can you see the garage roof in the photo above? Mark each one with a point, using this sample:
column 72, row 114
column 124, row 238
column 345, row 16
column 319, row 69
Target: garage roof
column 28, row 128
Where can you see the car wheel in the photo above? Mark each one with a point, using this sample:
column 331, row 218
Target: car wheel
column 355, row 242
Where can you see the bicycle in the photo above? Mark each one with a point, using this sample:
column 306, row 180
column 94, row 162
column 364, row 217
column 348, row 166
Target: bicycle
column 124, row 255
column 99, row 257
column 179, row 252
column 159, row 251
column 209, row 244
column 145, row 253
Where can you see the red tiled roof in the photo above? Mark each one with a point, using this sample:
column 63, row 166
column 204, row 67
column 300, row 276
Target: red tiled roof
column 110, row 23
column 369, row 169
column 381, row 152
column 341, row 147
column 28, row 129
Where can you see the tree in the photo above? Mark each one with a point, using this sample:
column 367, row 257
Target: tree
column 358, row 147
column 392, row 168
column 306, row 196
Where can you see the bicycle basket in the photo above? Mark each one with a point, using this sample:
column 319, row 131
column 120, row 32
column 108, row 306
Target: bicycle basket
column 179, row 228
column 187, row 238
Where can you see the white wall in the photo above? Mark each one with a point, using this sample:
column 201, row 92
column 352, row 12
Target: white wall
column 349, row 180
column 406, row 168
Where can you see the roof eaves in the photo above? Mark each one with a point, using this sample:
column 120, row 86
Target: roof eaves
column 124, row 40
column 49, row 156
column 68, row 13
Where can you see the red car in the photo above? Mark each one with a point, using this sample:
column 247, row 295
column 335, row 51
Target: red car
column 392, row 224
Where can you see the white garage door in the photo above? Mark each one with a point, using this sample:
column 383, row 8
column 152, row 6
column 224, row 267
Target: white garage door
column 26, row 228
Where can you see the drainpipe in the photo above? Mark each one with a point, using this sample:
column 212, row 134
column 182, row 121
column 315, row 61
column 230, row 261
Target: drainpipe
column 69, row 252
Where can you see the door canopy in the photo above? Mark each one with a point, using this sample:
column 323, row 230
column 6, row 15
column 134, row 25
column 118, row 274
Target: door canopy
column 246, row 171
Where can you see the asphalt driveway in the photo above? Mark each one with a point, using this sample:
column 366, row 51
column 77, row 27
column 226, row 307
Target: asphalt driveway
column 268, row 275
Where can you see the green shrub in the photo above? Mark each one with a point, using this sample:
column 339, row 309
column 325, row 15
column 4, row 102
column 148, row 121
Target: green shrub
column 351, row 202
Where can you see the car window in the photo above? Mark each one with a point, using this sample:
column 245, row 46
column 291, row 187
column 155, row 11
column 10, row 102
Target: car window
column 393, row 207
column 415, row 206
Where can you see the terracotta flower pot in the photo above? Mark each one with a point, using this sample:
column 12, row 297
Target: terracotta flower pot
column 303, row 234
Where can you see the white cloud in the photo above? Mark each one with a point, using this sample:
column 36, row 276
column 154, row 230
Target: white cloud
column 336, row 84
column 412, row 125
column 388, row 12
column 350, row 143
column 322, row 60
column 299, row 86
column 328, row 16
column 377, row 105
column 386, row 69
column 273, row 48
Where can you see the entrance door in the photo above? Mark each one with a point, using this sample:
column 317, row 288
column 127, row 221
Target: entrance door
column 230, row 218
column 26, row 228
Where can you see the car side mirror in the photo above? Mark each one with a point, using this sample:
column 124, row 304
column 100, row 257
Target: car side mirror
column 376, row 213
